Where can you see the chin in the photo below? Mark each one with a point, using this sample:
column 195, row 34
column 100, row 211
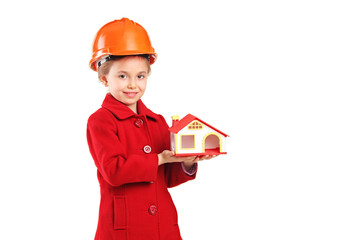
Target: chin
column 130, row 101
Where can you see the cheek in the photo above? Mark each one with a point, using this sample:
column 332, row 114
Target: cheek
column 117, row 84
column 142, row 85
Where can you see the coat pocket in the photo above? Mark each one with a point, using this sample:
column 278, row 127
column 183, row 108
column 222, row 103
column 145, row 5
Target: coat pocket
column 119, row 212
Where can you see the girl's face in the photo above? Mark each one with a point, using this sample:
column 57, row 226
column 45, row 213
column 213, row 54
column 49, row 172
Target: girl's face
column 127, row 80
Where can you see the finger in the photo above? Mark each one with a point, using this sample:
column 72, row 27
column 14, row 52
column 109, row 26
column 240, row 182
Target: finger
column 209, row 157
column 206, row 157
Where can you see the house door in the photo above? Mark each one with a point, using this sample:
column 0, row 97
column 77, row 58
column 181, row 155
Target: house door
column 211, row 144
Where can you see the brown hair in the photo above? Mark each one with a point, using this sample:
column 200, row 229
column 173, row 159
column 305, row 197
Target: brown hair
column 105, row 67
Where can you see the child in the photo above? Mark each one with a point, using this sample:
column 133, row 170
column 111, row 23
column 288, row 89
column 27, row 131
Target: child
column 129, row 142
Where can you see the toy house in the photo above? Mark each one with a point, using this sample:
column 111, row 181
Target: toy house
column 192, row 136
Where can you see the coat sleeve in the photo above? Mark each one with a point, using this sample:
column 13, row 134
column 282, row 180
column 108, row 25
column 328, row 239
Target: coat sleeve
column 175, row 174
column 110, row 156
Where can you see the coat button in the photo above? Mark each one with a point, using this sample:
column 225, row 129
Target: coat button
column 153, row 210
column 139, row 123
column 147, row 149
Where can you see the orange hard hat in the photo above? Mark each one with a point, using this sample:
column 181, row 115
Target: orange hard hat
column 121, row 38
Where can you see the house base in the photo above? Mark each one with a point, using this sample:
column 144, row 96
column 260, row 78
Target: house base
column 214, row 151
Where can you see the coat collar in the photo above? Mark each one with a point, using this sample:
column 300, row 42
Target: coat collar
column 121, row 111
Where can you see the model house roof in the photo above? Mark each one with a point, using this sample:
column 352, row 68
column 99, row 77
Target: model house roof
column 180, row 124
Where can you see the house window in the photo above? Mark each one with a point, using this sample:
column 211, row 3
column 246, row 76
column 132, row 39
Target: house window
column 195, row 126
column 188, row 141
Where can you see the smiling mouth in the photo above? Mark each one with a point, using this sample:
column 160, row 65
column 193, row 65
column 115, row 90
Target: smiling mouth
column 130, row 94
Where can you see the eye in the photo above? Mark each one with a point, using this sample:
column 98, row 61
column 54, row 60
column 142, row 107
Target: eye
column 122, row 76
column 141, row 76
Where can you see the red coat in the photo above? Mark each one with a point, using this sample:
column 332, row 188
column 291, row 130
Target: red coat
column 135, row 202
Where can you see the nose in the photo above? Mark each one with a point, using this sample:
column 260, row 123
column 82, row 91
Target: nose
column 131, row 84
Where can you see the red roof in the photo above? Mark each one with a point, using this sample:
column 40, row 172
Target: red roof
column 178, row 125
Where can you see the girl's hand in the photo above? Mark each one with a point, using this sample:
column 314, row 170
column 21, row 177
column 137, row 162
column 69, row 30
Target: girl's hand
column 206, row 157
column 189, row 164
column 168, row 157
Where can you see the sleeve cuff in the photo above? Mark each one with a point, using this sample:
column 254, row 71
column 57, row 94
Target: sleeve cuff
column 191, row 172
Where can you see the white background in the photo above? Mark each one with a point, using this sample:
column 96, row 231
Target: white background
column 280, row 77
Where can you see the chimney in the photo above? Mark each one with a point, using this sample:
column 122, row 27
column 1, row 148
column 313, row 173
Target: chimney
column 175, row 119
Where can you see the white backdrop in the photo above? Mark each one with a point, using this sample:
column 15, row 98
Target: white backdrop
column 280, row 77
